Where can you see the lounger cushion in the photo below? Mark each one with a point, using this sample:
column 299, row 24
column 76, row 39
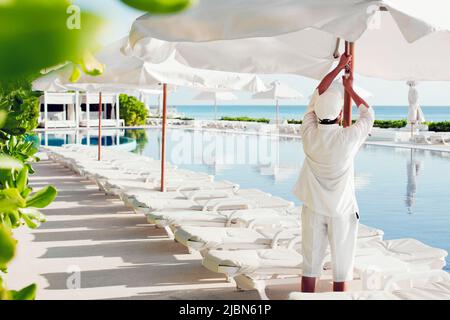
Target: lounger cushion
column 249, row 261
column 185, row 217
column 365, row 232
column 409, row 250
column 357, row 295
column 243, row 238
column 212, row 237
column 431, row 291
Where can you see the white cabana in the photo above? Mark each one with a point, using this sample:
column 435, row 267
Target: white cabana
column 415, row 114
column 278, row 91
column 59, row 110
column 215, row 97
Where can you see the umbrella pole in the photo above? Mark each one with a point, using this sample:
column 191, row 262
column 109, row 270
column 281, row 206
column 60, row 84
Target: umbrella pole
column 99, row 144
column 163, row 140
column 349, row 50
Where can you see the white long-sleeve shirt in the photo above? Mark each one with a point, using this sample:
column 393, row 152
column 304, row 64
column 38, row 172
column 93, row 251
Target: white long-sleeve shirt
column 326, row 181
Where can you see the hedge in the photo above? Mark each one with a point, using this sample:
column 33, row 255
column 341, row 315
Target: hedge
column 443, row 126
column 390, row 123
column 248, row 119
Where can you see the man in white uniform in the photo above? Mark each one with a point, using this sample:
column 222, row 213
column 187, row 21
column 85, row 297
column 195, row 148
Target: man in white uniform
column 326, row 182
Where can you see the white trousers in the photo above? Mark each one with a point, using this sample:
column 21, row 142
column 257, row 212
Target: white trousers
column 340, row 232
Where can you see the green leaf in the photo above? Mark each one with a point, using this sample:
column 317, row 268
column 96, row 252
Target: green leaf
column 37, row 34
column 91, row 65
column 160, row 6
column 3, row 117
column 76, row 74
column 32, row 217
column 22, row 179
column 42, row 198
column 26, row 192
column 14, row 218
column 29, row 222
column 27, row 293
column 11, row 199
column 7, row 245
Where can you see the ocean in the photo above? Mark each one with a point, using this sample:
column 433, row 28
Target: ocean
column 204, row 112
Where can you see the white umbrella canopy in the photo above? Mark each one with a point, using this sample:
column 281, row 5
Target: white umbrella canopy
column 278, row 90
column 393, row 37
column 215, row 96
column 125, row 72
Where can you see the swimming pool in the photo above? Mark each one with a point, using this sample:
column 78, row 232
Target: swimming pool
column 404, row 192
column 110, row 138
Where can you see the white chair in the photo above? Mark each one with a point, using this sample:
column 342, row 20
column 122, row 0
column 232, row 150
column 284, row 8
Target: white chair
column 427, row 285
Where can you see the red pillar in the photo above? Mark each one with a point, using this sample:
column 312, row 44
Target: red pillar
column 163, row 133
column 99, row 151
column 349, row 49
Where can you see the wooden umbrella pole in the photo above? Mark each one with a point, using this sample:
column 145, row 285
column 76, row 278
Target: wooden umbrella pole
column 349, row 50
column 163, row 134
column 99, row 151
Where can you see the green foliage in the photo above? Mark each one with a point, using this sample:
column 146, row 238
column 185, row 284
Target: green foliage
column 20, row 148
column 248, row 119
column 20, row 107
column 42, row 34
column 8, row 247
column 159, row 6
column 390, row 123
column 18, row 205
column 443, row 126
column 140, row 135
column 293, row 121
column 132, row 110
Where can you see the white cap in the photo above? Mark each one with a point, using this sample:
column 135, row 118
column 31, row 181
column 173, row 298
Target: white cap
column 329, row 104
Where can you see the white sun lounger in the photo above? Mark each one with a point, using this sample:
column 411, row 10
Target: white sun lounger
column 429, row 285
column 215, row 212
column 250, row 237
column 256, row 269
column 196, row 200
column 265, row 232
column 422, row 139
column 112, row 179
column 439, row 139
column 261, row 270
column 137, row 193
column 410, row 250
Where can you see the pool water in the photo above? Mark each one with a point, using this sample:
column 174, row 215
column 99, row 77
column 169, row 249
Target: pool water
column 85, row 137
column 404, row 192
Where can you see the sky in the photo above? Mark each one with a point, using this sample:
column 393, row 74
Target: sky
column 119, row 18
